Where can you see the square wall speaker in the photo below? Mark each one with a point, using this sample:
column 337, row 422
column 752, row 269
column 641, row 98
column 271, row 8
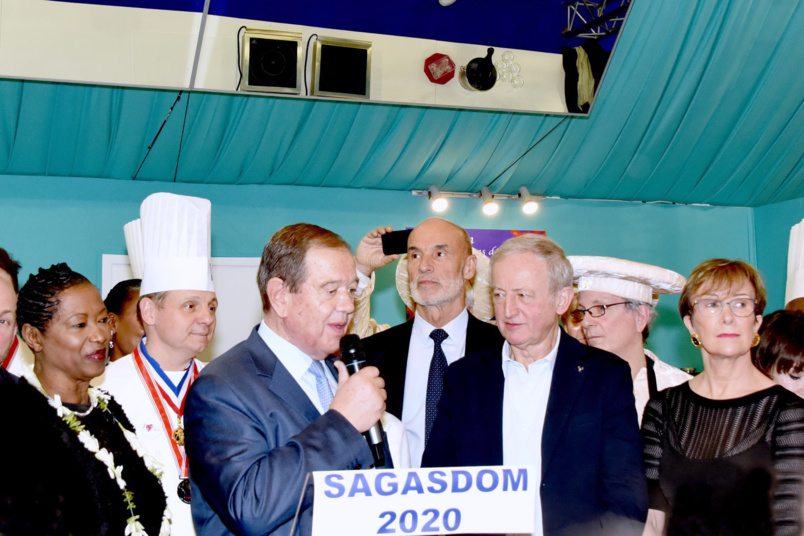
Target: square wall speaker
column 342, row 68
column 271, row 61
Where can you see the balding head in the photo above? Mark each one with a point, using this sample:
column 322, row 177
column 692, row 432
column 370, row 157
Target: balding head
column 440, row 263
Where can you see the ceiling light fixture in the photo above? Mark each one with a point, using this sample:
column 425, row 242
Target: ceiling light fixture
column 529, row 204
column 490, row 206
column 438, row 202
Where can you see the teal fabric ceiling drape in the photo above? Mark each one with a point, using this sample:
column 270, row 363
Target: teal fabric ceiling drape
column 703, row 102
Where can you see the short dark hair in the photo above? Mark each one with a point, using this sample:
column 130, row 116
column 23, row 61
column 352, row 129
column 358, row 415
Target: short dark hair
column 285, row 253
column 781, row 347
column 715, row 274
column 38, row 300
column 12, row 267
column 120, row 294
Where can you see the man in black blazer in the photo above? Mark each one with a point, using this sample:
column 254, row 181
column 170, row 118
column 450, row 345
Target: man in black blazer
column 547, row 401
column 440, row 265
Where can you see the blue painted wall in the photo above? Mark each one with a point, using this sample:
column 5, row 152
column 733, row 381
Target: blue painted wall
column 45, row 220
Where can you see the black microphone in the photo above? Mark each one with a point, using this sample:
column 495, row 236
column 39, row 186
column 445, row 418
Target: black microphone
column 354, row 358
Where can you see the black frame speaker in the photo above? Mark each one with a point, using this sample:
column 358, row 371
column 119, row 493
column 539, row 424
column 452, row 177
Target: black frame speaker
column 341, row 68
column 271, row 61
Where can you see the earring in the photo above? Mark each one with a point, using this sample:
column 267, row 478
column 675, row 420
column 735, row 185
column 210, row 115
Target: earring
column 695, row 341
column 111, row 342
column 756, row 340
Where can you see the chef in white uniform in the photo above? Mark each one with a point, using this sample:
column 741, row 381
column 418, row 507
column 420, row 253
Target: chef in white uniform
column 794, row 290
column 177, row 306
column 616, row 307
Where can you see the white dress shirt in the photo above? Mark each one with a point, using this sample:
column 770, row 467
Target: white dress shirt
column 524, row 408
column 298, row 364
column 420, row 353
column 666, row 376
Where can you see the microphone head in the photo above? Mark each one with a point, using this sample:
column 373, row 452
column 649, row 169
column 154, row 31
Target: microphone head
column 352, row 349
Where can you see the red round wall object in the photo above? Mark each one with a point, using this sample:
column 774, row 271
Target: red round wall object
column 439, row 68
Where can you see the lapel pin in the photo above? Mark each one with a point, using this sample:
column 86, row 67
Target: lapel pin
column 580, row 369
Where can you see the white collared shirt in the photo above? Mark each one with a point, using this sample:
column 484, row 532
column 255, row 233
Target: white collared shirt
column 420, row 353
column 525, row 399
column 297, row 363
column 666, row 376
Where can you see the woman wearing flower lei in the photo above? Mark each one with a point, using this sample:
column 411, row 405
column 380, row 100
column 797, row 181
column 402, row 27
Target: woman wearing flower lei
column 71, row 463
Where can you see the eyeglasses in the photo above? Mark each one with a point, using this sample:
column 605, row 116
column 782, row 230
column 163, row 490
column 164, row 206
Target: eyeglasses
column 596, row 311
column 738, row 306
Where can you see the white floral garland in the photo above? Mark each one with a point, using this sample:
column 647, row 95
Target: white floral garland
column 100, row 399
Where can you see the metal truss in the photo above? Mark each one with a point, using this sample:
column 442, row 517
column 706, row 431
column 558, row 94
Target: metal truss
column 594, row 20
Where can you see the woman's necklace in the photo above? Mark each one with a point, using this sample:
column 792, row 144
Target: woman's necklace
column 100, row 399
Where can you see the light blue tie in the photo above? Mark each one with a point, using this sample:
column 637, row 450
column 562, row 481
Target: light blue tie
column 321, row 384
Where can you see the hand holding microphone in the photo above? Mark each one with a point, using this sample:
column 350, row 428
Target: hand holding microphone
column 361, row 397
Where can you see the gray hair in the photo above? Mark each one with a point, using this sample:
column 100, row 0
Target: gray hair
column 633, row 305
column 559, row 269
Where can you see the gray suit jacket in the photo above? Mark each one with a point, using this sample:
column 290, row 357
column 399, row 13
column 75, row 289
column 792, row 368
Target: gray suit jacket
column 252, row 435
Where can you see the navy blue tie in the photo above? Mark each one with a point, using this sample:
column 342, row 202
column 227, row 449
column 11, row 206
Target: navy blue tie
column 435, row 382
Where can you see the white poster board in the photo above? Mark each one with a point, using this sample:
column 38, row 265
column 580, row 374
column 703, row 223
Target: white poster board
column 239, row 304
column 447, row 500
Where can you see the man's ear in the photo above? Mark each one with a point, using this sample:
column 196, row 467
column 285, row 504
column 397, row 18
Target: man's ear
column 32, row 337
column 642, row 317
column 277, row 293
column 147, row 311
column 469, row 267
column 563, row 300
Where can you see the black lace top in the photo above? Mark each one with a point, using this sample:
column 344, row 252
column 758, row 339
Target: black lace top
column 726, row 467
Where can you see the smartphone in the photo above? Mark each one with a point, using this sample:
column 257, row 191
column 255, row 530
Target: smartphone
column 395, row 242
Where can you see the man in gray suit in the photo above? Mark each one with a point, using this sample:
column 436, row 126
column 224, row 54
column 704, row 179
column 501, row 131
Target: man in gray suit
column 262, row 416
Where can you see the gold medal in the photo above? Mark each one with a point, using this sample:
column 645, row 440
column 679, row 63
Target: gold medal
column 178, row 436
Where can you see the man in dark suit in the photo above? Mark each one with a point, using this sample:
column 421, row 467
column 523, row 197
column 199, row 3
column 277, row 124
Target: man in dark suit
column 262, row 416
column 440, row 265
column 547, row 401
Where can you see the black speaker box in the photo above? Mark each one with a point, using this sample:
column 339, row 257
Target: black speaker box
column 271, row 61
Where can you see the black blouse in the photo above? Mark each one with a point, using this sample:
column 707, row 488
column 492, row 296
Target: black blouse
column 726, row 467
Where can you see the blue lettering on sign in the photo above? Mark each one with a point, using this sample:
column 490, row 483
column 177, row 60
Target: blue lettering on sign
column 521, row 478
column 457, row 476
column 360, row 485
column 439, row 478
column 495, row 479
column 413, row 483
column 334, row 482
column 391, row 488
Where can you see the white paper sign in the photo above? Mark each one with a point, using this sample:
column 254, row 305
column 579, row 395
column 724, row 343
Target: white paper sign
column 451, row 500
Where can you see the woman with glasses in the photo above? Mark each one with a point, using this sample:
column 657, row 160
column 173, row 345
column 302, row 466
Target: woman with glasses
column 724, row 452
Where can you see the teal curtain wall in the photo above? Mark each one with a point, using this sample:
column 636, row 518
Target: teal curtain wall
column 44, row 220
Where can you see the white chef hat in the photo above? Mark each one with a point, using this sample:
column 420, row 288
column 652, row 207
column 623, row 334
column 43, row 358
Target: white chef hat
column 479, row 296
column 795, row 264
column 133, row 232
column 176, row 243
column 627, row 279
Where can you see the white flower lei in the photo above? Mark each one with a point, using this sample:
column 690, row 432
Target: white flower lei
column 100, row 399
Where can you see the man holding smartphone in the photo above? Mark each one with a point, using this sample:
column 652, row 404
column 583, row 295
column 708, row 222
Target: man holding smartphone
column 413, row 356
